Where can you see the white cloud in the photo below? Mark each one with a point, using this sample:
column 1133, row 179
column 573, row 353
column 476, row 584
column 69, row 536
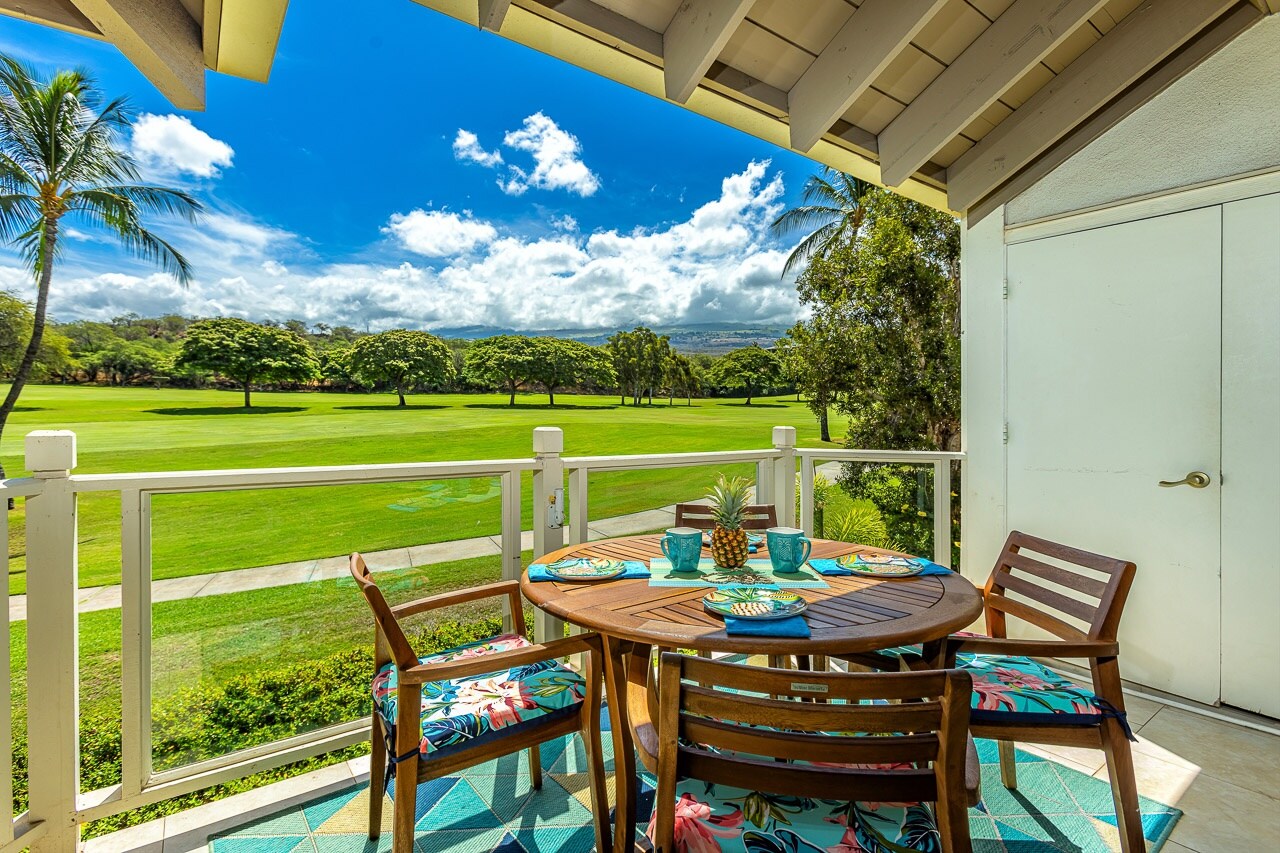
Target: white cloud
column 172, row 145
column 439, row 233
column 564, row 223
column 718, row 264
column 557, row 157
column 466, row 146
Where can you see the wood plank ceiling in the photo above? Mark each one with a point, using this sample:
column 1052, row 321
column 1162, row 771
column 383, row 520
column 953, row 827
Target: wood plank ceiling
column 172, row 42
column 958, row 103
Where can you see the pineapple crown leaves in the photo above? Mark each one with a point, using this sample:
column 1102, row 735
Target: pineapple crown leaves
column 729, row 499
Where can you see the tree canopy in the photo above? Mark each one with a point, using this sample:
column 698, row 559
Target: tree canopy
column 751, row 368
column 639, row 360
column 502, row 361
column 558, row 363
column 401, row 359
column 247, row 352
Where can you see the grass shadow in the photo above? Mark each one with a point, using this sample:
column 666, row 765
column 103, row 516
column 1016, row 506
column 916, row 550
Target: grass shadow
column 30, row 409
column 758, row 405
column 557, row 407
column 224, row 410
column 388, row 407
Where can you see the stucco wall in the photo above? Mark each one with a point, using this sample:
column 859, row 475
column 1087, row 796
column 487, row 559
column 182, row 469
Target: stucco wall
column 1221, row 120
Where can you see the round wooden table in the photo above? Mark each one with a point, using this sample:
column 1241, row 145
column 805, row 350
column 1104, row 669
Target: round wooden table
column 852, row 614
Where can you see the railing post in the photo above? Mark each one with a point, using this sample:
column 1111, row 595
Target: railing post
column 764, row 481
column 578, row 513
column 511, row 501
column 942, row 512
column 784, row 475
column 806, row 494
column 548, row 512
column 53, row 733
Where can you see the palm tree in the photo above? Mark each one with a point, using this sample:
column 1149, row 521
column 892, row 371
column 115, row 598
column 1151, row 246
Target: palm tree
column 62, row 155
column 831, row 214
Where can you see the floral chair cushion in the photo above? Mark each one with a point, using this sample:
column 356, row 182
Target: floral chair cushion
column 463, row 711
column 1017, row 689
column 713, row 818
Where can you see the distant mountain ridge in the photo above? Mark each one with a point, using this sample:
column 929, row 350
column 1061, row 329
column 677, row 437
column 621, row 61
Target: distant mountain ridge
column 693, row 337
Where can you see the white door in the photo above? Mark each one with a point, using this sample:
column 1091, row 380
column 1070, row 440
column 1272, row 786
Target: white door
column 1114, row 352
column 1251, row 455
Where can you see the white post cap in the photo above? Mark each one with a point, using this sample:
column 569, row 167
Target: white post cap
column 548, row 440
column 50, row 451
column 784, row 436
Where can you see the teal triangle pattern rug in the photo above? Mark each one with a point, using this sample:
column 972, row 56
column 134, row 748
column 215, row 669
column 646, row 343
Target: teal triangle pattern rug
column 493, row 808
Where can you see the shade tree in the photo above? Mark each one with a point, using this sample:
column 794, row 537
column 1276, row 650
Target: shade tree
column 559, row 363
column 505, row 362
column 402, row 359
column 751, row 369
column 247, row 352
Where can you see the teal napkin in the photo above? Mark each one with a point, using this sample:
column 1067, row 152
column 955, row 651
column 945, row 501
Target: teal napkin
column 633, row 569
column 832, row 568
column 792, row 626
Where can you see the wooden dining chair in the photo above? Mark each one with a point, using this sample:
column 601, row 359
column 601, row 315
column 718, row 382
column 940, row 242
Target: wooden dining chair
column 698, row 516
column 441, row 713
column 778, row 774
column 1077, row 597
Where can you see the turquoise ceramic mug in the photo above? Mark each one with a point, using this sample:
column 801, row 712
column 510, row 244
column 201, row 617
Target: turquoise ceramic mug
column 788, row 548
column 683, row 547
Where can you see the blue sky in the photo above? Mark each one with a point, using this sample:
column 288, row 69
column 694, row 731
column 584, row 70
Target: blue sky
column 403, row 169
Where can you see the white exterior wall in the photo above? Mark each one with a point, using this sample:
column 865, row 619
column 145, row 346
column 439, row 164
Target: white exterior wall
column 1217, row 129
column 1220, row 121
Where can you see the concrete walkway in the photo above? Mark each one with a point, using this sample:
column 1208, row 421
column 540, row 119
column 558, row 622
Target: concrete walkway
column 328, row 568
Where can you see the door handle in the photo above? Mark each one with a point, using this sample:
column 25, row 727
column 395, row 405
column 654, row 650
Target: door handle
column 1196, row 480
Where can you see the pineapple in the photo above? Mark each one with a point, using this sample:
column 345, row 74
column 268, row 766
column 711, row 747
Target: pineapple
column 729, row 499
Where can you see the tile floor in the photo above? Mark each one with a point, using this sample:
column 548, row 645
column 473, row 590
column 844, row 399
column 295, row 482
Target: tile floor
column 1223, row 775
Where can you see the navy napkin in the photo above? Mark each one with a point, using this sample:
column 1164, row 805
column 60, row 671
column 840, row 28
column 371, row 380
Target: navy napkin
column 832, row 568
column 634, row 569
column 792, row 626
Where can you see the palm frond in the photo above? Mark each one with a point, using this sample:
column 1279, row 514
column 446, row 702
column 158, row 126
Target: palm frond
column 156, row 250
column 17, row 213
column 816, row 244
column 147, row 199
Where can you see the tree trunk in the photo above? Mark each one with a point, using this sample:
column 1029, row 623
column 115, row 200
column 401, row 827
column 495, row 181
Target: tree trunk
column 824, row 427
column 512, row 389
column 23, row 372
column 551, row 394
column 748, row 395
column 688, row 399
column 400, row 394
column 247, row 404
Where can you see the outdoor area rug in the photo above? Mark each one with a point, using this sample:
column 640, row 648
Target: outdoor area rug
column 494, row 808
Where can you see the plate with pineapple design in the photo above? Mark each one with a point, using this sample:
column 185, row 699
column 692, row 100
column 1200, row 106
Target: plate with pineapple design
column 586, row 569
column 754, row 603
column 882, row 565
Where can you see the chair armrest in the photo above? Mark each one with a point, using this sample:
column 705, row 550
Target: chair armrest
column 1034, row 648
column 461, row 596
column 972, row 773
column 447, row 670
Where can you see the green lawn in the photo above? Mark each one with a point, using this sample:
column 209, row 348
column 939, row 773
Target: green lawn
column 134, row 429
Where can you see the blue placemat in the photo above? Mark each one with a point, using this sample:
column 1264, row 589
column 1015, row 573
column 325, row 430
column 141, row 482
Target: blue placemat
column 633, row 569
column 792, row 626
column 832, row 568
column 754, row 573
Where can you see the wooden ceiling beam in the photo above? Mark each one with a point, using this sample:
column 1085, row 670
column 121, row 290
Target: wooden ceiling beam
column 59, row 14
column 492, row 13
column 1221, row 33
column 875, row 34
column 693, row 40
column 1014, row 43
column 1145, row 37
column 160, row 38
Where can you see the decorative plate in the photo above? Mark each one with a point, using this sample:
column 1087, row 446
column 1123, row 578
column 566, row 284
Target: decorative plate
column 754, row 603
column 586, row 569
column 882, row 565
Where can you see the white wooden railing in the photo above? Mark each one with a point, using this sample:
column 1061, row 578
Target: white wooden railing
column 57, row 805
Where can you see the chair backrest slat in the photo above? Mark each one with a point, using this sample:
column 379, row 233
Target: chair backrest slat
column 760, row 711
column 905, row 785
column 891, row 751
column 1078, row 585
column 798, row 746
column 698, row 516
